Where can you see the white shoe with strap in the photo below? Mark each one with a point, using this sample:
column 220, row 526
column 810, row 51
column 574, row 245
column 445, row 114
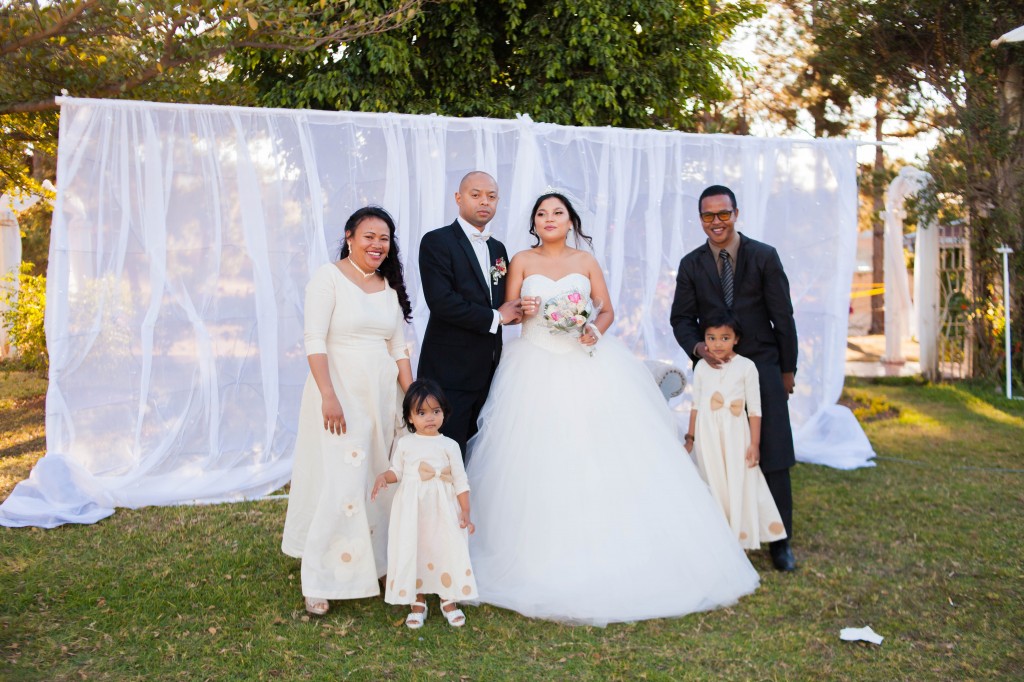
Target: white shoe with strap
column 414, row 620
column 317, row 606
column 456, row 618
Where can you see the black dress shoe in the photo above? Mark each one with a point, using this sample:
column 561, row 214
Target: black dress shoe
column 782, row 555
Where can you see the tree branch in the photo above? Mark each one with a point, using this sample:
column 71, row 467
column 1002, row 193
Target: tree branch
column 272, row 40
column 29, row 107
column 57, row 27
column 367, row 27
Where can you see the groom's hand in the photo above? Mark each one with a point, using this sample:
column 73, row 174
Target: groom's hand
column 788, row 382
column 702, row 351
column 511, row 312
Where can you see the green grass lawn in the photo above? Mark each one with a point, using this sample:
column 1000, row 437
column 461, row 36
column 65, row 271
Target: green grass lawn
column 926, row 548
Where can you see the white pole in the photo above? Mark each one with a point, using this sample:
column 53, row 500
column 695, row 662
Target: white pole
column 1006, row 251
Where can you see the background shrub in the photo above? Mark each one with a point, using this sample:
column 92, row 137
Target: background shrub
column 26, row 301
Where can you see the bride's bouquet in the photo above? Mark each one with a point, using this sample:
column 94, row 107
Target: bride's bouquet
column 569, row 313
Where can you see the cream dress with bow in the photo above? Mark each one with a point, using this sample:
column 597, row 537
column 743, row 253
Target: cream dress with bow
column 724, row 398
column 427, row 551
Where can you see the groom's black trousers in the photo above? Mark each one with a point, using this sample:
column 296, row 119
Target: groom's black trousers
column 460, row 424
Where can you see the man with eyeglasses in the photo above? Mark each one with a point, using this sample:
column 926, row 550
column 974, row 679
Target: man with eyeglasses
column 732, row 272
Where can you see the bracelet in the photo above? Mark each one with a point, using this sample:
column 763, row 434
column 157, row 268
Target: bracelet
column 688, row 437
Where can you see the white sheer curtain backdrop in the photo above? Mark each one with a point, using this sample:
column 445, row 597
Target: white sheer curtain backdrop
column 10, row 250
column 926, row 298
column 183, row 236
column 10, row 261
column 900, row 321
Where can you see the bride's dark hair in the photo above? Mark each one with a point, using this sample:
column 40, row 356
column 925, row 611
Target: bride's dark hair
column 391, row 269
column 574, row 217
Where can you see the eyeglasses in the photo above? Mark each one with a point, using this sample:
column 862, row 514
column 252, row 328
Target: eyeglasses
column 721, row 215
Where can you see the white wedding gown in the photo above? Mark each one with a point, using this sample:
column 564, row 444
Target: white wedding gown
column 587, row 507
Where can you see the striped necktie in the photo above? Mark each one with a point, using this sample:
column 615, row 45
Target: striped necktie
column 727, row 277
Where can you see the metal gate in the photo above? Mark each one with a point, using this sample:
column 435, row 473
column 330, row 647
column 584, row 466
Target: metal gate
column 955, row 296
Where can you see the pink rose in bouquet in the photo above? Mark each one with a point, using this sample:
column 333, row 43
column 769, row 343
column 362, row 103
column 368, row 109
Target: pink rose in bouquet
column 569, row 313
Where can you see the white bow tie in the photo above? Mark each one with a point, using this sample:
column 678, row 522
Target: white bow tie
column 481, row 237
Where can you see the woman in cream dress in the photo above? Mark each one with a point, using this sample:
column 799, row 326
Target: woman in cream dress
column 356, row 309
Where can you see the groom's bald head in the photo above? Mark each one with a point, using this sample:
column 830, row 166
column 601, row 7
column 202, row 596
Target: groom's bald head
column 476, row 177
column 477, row 198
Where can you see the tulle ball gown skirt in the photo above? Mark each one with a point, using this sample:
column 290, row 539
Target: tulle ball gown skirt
column 588, row 509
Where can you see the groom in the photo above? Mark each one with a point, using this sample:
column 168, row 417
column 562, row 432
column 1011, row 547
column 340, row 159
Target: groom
column 733, row 272
column 463, row 273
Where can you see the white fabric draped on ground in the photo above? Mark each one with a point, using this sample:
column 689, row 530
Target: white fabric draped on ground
column 183, row 237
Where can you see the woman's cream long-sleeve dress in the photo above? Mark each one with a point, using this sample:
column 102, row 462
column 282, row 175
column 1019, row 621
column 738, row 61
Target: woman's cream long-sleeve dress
column 331, row 524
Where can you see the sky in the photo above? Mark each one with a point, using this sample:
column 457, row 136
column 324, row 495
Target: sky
column 910, row 151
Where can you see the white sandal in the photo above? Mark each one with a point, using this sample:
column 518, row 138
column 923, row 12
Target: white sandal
column 456, row 618
column 317, row 606
column 414, row 621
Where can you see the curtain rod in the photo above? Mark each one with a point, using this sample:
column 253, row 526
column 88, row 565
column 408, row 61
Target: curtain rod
column 519, row 120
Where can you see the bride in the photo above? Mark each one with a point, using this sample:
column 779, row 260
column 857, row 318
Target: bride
column 587, row 508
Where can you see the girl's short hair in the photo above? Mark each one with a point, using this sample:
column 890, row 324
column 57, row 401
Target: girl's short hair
column 418, row 393
column 721, row 319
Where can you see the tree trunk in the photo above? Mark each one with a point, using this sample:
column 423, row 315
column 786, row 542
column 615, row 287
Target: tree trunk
column 878, row 226
column 44, row 166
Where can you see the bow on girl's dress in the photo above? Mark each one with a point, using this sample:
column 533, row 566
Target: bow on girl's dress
column 428, row 472
column 718, row 402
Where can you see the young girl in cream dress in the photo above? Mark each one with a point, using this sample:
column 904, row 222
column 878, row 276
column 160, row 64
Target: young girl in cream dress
column 428, row 539
column 725, row 427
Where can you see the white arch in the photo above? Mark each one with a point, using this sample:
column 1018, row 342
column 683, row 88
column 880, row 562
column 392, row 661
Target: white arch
column 905, row 317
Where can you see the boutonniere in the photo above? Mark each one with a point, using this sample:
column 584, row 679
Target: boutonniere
column 498, row 270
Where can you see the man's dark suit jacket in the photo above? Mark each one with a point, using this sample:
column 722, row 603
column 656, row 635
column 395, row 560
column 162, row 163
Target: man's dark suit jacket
column 764, row 309
column 459, row 351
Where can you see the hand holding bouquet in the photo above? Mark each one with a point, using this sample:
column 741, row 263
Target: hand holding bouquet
column 569, row 313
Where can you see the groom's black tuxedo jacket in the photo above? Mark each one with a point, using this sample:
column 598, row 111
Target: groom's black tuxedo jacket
column 764, row 309
column 459, row 351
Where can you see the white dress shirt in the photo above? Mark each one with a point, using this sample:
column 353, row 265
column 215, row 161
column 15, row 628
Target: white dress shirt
column 483, row 257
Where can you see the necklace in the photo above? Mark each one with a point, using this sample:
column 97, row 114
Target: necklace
column 362, row 272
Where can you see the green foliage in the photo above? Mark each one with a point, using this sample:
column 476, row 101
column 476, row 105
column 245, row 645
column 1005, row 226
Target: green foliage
column 978, row 165
column 815, row 61
column 25, row 140
column 23, row 318
column 34, row 225
column 872, row 182
column 913, row 380
column 629, row 63
column 930, row 64
column 161, row 50
column 867, row 406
